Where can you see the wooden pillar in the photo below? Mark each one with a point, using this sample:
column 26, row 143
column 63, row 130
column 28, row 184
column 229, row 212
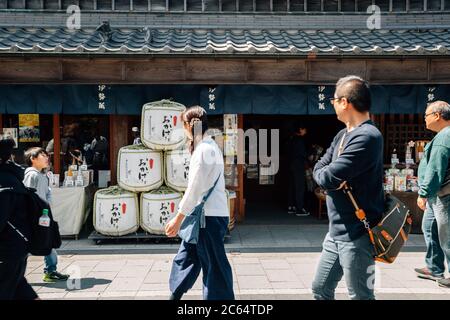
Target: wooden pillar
column 118, row 137
column 56, row 144
column 240, row 189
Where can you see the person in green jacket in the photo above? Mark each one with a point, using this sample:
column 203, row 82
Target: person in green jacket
column 434, row 194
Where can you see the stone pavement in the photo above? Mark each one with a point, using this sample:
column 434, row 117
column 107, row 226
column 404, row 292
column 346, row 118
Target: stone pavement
column 244, row 238
column 276, row 275
column 270, row 260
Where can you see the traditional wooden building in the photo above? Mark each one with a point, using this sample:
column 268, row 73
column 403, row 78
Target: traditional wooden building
column 265, row 60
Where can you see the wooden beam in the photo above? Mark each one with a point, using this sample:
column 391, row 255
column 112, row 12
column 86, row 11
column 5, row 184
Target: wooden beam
column 200, row 70
column 118, row 137
column 56, row 144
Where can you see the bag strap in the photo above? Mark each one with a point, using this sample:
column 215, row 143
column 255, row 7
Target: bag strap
column 360, row 214
column 205, row 198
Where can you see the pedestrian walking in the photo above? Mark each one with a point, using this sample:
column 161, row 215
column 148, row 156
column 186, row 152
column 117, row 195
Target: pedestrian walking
column 38, row 161
column 14, row 214
column 434, row 194
column 206, row 176
column 355, row 158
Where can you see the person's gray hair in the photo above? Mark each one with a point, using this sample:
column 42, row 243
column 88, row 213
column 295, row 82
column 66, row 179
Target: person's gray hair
column 441, row 107
column 346, row 79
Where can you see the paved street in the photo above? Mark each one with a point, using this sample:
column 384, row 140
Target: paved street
column 269, row 261
column 256, row 276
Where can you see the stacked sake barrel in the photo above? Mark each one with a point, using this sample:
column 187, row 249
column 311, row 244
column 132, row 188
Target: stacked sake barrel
column 144, row 169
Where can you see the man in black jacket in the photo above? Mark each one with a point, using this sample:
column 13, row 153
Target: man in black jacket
column 13, row 248
column 354, row 157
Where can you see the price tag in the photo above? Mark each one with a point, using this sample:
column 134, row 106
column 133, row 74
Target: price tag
column 409, row 161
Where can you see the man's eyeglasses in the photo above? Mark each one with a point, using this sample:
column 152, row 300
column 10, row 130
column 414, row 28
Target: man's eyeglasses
column 429, row 114
column 332, row 100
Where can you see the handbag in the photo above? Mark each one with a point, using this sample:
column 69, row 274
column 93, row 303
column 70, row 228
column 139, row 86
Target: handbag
column 190, row 227
column 390, row 234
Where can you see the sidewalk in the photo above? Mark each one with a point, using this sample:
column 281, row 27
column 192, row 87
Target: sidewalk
column 256, row 276
column 244, row 238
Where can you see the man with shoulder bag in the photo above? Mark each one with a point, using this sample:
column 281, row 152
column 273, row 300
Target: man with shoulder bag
column 354, row 157
column 434, row 194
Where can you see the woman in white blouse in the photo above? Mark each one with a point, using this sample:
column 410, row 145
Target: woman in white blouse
column 205, row 168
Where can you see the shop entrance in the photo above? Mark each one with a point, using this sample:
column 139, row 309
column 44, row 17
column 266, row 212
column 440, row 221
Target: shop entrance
column 267, row 198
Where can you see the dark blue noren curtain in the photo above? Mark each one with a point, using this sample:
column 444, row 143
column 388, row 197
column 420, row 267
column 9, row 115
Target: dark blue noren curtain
column 48, row 98
column 380, row 99
column 293, row 100
column 3, row 93
column 76, row 99
column 431, row 93
column 403, row 99
column 238, row 99
column 19, row 99
column 188, row 95
column 102, row 100
column 156, row 92
column 212, row 99
column 265, row 100
column 318, row 99
column 129, row 99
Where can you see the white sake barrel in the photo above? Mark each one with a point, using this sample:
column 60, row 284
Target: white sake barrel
column 157, row 208
column 176, row 171
column 116, row 212
column 139, row 168
column 161, row 125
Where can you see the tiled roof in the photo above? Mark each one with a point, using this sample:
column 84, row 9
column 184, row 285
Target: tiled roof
column 104, row 40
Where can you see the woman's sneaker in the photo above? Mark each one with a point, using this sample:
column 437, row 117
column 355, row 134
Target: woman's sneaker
column 54, row 276
column 424, row 273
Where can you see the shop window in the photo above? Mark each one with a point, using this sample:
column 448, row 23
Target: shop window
column 176, row 5
column 363, row 5
column 194, row 5
column 383, row 4
column 314, row 5
column 416, row 5
column 279, row 5
column 30, row 130
column 447, row 5
column 104, row 4
column 86, row 4
column 67, row 3
column 140, row 5
column 246, row 5
column 33, row 4
column 229, row 5
column 434, row 5
column 262, row 5
column 212, row 5
column 331, row 6
column 399, row 6
column 84, row 139
column 3, row 4
column 297, row 6
column 348, row 5
column 16, row 4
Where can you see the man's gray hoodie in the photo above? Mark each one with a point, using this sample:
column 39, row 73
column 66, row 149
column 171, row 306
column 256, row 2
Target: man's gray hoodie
column 39, row 181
